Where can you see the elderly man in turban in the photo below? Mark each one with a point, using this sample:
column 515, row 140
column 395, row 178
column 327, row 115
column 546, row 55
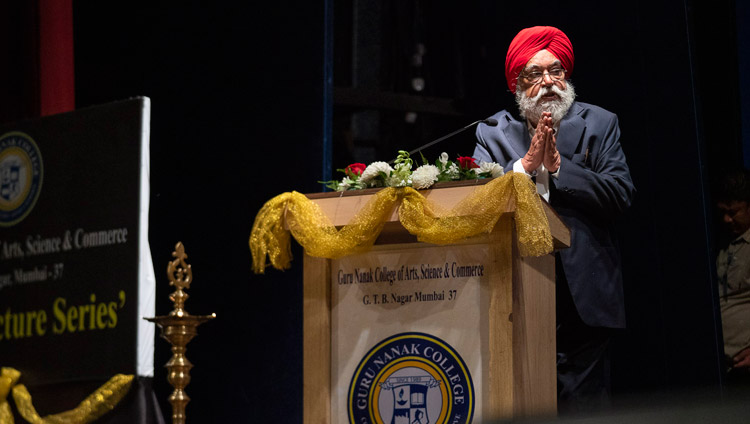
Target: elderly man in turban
column 572, row 152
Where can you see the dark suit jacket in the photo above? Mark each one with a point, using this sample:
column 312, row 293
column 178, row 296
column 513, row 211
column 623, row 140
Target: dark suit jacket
column 593, row 187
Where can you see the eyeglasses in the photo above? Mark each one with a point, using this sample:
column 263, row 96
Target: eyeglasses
column 535, row 77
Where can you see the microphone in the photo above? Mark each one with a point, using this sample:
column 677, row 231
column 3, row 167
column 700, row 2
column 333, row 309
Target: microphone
column 489, row 121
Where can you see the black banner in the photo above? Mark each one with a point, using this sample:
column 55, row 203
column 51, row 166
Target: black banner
column 72, row 243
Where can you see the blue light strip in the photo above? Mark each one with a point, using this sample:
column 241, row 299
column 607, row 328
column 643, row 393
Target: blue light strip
column 327, row 147
column 743, row 61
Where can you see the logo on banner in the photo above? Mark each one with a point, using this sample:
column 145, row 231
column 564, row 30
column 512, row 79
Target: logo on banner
column 411, row 378
column 20, row 177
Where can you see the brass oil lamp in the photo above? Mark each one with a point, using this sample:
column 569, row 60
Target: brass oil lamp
column 178, row 328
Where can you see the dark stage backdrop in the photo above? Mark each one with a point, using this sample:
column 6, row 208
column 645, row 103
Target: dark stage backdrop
column 237, row 118
column 239, row 113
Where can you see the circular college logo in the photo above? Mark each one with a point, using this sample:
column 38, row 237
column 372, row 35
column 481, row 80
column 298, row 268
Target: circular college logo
column 20, row 177
column 411, row 378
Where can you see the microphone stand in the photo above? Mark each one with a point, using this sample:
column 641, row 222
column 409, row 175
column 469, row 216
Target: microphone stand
column 489, row 121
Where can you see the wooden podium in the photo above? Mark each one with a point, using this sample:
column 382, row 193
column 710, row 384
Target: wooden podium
column 515, row 327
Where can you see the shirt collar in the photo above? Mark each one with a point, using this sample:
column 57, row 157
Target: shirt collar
column 744, row 237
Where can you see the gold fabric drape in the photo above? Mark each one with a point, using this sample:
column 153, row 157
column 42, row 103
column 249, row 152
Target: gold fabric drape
column 8, row 378
column 103, row 400
column 475, row 214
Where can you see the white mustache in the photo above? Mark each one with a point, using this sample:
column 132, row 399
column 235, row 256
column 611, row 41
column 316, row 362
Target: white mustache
column 547, row 90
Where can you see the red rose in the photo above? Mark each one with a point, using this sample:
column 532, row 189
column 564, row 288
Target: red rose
column 355, row 169
column 467, row 162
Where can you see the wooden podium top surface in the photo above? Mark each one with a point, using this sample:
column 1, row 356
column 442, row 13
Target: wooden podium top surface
column 340, row 207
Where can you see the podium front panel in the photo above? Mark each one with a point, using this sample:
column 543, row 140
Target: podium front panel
column 413, row 332
column 409, row 334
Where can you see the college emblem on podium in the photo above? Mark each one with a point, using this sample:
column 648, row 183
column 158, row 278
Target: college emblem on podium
column 20, row 177
column 411, row 378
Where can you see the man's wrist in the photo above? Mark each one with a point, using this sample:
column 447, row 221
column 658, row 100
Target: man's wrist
column 556, row 172
column 519, row 166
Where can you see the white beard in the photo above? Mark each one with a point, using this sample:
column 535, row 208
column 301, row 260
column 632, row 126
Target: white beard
column 531, row 108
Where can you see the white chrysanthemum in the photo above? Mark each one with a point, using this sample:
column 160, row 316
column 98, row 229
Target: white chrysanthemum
column 373, row 170
column 443, row 159
column 424, row 176
column 494, row 169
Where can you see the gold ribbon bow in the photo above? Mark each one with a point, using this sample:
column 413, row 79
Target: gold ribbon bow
column 101, row 401
column 477, row 213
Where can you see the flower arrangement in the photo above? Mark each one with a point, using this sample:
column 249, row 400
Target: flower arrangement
column 359, row 176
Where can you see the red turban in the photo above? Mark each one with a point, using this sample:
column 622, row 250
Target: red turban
column 531, row 41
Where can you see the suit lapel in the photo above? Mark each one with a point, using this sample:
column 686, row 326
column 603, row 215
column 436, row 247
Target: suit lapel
column 571, row 128
column 517, row 135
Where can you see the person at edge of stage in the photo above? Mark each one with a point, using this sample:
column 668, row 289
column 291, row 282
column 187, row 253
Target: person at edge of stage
column 571, row 150
column 733, row 269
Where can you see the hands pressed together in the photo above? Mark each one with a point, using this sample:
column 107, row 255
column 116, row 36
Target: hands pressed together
column 543, row 149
